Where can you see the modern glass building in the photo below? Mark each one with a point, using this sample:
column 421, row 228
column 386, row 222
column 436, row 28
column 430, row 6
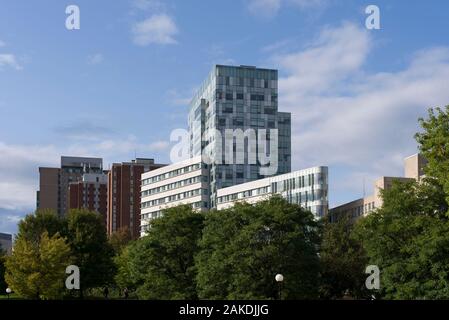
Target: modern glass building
column 308, row 188
column 241, row 99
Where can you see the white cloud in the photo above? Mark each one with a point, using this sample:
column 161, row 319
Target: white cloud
column 19, row 169
column 308, row 3
column 159, row 146
column 158, row 29
column 343, row 115
column 269, row 8
column 19, row 164
column 149, row 5
column 264, row 7
column 9, row 60
column 96, row 58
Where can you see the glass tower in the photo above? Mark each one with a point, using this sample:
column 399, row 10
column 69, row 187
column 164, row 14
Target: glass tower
column 236, row 98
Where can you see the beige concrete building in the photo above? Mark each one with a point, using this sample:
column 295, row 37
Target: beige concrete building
column 413, row 170
column 414, row 166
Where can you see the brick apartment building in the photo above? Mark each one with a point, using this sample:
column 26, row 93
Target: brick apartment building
column 90, row 193
column 124, row 194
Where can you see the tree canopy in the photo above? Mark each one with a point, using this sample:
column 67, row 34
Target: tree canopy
column 244, row 247
column 37, row 270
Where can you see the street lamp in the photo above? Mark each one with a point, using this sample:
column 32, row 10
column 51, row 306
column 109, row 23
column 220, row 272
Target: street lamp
column 8, row 291
column 279, row 279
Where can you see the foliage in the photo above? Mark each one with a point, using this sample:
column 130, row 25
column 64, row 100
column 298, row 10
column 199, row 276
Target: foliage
column 34, row 225
column 3, row 285
column 37, row 270
column 120, row 239
column 244, row 247
column 434, row 145
column 169, row 248
column 90, row 247
column 343, row 261
column 408, row 238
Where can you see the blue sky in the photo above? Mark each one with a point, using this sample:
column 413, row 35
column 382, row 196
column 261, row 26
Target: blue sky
column 121, row 84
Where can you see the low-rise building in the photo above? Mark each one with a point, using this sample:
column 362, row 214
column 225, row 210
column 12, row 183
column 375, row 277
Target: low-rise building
column 185, row 182
column 6, row 242
column 413, row 170
column 308, row 188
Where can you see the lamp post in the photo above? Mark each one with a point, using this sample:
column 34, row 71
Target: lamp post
column 279, row 279
column 8, row 291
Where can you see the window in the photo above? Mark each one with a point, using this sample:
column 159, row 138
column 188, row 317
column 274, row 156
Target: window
column 239, row 96
column 269, row 110
column 228, row 109
column 257, row 97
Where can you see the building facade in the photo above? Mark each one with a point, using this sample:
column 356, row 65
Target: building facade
column 54, row 182
column 185, row 182
column 6, row 242
column 124, row 192
column 242, row 100
column 413, row 170
column 307, row 188
column 90, row 193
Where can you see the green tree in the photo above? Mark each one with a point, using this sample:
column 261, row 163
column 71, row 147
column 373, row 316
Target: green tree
column 244, row 247
column 132, row 265
column 90, row 247
column 434, row 145
column 408, row 239
column 343, row 261
column 167, row 253
column 37, row 270
column 34, row 225
column 3, row 285
column 120, row 239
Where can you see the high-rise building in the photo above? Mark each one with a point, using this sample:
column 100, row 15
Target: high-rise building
column 54, row 182
column 124, row 192
column 185, row 182
column 243, row 101
column 308, row 188
column 90, row 193
column 6, row 242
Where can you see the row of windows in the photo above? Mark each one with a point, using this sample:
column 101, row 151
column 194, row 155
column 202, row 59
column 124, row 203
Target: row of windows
column 242, row 82
column 296, row 197
column 172, row 174
column 299, row 182
column 306, row 196
column 244, row 194
column 175, row 185
column 246, row 72
column 160, row 213
column 176, row 197
column 229, row 96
